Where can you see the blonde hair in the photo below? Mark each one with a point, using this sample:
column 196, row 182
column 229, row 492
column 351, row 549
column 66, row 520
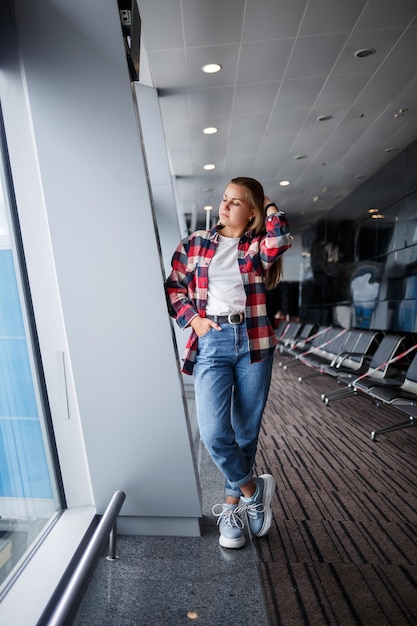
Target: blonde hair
column 255, row 199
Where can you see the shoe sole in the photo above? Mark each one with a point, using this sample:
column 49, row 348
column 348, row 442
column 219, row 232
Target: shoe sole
column 269, row 488
column 239, row 542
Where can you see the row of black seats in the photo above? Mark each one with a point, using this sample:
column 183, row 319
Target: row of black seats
column 381, row 365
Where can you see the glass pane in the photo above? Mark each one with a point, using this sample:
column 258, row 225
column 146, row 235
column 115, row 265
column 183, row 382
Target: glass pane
column 29, row 496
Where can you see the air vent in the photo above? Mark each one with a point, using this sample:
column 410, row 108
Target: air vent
column 364, row 52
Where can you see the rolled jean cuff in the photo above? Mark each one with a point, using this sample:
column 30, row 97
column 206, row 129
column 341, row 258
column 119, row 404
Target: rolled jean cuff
column 233, row 487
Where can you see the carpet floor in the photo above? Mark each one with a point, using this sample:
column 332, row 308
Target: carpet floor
column 343, row 546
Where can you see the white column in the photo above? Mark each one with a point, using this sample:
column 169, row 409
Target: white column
column 86, row 218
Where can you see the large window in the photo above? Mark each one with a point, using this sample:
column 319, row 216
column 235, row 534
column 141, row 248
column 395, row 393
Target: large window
column 30, row 498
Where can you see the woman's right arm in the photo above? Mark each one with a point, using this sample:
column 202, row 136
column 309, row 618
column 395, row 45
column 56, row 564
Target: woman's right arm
column 178, row 286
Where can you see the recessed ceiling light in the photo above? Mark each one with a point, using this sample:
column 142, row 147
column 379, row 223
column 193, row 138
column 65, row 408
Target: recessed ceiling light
column 316, row 198
column 210, row 130
column 209, row 166
column 324, row 118
column 377, row 216
column 211, row 68
column 391, row 149
column 364, row 52
column 300, row 156
column 372, row 210
column 208, row 207
column 284, row 183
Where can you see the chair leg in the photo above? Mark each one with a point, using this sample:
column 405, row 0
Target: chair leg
column 291, row 363
column 338, row 394
column 307, row 376
column 398, row 426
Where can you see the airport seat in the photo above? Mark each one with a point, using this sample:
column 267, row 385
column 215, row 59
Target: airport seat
column 410, row 410
column 355, row 361
column 342, row 343
column 379, row 367
column 313, row 342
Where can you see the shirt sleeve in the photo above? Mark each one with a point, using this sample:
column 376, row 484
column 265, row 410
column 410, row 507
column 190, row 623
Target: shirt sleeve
column 277, row 239
column 176, row 287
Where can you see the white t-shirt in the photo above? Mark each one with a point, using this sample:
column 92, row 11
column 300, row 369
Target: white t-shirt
column 226, row 293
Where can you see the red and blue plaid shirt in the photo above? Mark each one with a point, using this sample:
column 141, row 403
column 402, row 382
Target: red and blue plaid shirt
column 187, row 285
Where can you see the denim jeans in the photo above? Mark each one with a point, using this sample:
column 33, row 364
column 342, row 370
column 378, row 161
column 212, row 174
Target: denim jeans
column 231, row 394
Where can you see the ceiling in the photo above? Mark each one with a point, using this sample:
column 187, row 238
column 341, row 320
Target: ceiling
column 285, row 64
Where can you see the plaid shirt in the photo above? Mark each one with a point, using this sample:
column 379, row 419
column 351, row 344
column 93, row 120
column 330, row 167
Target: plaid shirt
column 187, row 285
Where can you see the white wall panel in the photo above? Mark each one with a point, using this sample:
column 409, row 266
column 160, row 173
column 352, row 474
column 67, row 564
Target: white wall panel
column 104, row 263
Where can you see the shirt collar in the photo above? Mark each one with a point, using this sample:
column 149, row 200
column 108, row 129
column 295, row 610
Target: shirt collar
column 214, row 235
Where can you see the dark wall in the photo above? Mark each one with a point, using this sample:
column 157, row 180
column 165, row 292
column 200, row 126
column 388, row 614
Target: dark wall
column 362, row 271
column 283, row 300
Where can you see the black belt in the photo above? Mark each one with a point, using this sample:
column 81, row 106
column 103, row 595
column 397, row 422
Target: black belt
column 232, row 318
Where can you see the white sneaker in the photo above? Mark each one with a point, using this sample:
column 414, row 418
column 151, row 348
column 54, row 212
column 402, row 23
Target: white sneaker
column 230, row 525
column 258, row 508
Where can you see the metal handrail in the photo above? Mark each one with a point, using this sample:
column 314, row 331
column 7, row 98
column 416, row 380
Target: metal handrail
column 60, row 613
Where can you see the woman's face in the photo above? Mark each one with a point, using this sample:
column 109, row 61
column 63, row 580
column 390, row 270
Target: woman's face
column 234, row 210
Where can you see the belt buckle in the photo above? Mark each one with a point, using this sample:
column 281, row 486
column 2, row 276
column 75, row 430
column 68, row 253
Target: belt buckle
column 231, row 318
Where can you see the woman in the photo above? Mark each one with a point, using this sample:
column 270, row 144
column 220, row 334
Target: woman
column 217, row 287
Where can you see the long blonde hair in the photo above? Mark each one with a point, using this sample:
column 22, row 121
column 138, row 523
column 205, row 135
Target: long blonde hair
column 255, row 199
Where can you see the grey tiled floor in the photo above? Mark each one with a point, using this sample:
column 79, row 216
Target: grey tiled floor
column 174, row 581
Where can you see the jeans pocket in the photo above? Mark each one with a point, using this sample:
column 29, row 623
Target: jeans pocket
column 207, row 333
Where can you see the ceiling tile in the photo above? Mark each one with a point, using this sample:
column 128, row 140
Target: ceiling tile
column 299, row 92
column 407, row 97
column 384, row 86
column 161, row 34
column 315, row 55
column 287, row 120
column 206, row 104
column 307, row 141
column 240, row 164
column 168, row 68
column 210, row 152
column 401, row 137
column 272, row 19
column 342, row 89
column 181, row 153
column 254, row 97
column 328, row 16
column 387, row 14
column 340, row 140
column 211, row 23
column 177, row 133
column 243, row 143
column 277, row 142
column 263, row 61
column 403, row 56
column 249, row 124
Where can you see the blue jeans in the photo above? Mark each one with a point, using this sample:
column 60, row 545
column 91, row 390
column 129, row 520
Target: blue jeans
column 231, row 394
